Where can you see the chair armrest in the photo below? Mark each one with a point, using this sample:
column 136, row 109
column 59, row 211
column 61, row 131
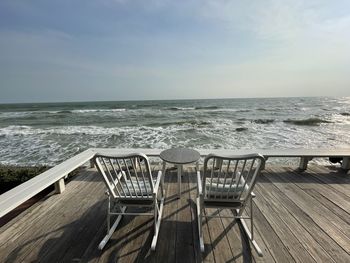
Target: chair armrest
column 252, row 195
column 199, row 183
column 159, row 178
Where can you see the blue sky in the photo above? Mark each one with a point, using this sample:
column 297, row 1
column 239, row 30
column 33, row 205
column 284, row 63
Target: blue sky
column 134, row 49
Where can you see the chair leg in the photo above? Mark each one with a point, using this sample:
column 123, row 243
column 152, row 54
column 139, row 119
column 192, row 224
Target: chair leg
column 110, row 230
column 250, row 234
column 255, row 245
column 200, row 232
column 157, row 221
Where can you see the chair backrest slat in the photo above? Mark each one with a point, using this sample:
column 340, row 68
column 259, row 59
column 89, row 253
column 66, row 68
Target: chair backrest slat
column 117, row 176
column 211, row 176
column 143, row 175
column 230, row 178
column 233, row 178
column 112, row 180
column 124, row 176
column 136, row 175
column 131, row 181
column 134, row 178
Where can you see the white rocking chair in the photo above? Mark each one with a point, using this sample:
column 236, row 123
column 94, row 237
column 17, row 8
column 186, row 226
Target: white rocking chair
column 129, row 182
column 227, row 183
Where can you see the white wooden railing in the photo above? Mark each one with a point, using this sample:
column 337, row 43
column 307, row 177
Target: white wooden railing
column 18, row 195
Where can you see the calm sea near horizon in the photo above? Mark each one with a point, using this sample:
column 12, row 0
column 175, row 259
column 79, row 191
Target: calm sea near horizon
column 48, row 133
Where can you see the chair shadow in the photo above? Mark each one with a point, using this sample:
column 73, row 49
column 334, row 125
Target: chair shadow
column 52, row 244
column 78, row 240
column 208, row 248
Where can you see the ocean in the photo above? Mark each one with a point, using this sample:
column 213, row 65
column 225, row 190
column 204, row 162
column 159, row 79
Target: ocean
column 48, row 133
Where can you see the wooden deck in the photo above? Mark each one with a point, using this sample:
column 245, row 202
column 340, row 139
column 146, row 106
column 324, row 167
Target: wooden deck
column 302, row 217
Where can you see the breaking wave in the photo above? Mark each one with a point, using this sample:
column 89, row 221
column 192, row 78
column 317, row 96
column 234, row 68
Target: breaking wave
column 307, row 122
column 180, row 108
column 263, row 121
column 207, row 108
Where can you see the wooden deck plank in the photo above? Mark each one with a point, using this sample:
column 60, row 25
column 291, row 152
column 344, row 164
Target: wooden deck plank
column 192, row 181
column 272, row 241
column 311, row 180
column 327, row 243
column 184, row 237
column 66, row 227
column 29, row 239
column 167, row 236
column 241, row 247
column 327, row 192
column 273, row 216
column 330, row 223
column 238, row 243
column 336, row 179
column 208, row 254
column 307, row 241
column 17, row 227
column 220, row 245
column 289, row 204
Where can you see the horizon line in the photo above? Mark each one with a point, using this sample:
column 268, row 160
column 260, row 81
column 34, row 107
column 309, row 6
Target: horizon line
column 178, row 99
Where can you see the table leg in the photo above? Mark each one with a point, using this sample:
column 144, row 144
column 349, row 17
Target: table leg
column 179, row 172
column 163, row 176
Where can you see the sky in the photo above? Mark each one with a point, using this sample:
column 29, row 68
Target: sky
column 86, row 50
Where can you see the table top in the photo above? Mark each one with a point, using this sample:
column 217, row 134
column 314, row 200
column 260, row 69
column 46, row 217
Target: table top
column 180, row 155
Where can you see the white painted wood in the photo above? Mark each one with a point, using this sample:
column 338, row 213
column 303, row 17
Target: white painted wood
column 60, row 186
column 111, row 230
column 231, row 195
column 142, row 188
column 226, row 152
column 16, row 196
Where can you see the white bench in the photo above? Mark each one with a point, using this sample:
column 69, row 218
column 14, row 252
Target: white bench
column 305, row 155
column 55, row 175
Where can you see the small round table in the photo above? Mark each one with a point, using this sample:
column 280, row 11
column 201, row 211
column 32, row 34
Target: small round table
column 179, row 157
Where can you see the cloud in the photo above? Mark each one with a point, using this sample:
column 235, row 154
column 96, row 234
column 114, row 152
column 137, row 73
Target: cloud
column 206, row 48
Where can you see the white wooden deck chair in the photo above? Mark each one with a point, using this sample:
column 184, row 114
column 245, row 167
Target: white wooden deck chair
column 129, row 182
column 227, row 183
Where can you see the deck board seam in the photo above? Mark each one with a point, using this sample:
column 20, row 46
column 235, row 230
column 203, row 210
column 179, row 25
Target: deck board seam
column 262, row 192
column 305, row 215
column 316, row 223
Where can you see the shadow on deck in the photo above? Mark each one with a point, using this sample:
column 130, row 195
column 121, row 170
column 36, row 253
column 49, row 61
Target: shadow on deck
column 298, row 217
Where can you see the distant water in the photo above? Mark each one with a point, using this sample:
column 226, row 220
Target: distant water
column 32, row 134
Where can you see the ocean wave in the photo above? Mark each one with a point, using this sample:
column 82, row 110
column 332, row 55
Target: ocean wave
column 240, row 129
column 14, row 114
column 17, row 130
column 193, row 108
column 263, row 121
column 97, row 110
column 180, row 108
column 63, row 112
column 52, row 133
column 307, row 122
column 179, row 123
column 207, row 108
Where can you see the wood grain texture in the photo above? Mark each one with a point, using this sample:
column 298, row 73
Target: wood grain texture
column 302, row 217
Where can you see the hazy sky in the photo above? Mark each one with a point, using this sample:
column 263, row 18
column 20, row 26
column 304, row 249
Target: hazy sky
column 151, row 49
